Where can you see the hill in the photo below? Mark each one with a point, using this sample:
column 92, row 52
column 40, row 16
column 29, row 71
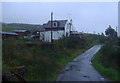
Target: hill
column 11, row 26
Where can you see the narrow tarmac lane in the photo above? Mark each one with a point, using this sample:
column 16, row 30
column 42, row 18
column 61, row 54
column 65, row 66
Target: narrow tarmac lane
column 81, row 69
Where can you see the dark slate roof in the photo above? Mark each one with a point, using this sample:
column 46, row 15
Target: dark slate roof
column 9, row 33
column 42, row 29
column 19, row 30
column 60, row 22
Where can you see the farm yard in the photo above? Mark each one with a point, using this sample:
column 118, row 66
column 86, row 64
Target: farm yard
column 41, row 58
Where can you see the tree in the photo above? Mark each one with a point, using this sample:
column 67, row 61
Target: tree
column 110, row 32
column 102, row 34
column 112, row 36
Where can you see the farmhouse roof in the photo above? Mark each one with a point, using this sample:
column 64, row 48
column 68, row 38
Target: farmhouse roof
column 60, row 22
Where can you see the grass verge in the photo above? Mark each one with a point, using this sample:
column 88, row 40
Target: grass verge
column 108, row 72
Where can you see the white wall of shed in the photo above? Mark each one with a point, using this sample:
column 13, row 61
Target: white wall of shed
column 55, row 35
column 58, row 34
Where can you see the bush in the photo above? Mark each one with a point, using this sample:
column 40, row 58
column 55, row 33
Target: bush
column 106, row 61
column 110, row 56
column 43, row 63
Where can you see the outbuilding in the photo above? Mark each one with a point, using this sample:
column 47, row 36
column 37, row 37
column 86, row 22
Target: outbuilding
column 5, row 35
column 21, row 32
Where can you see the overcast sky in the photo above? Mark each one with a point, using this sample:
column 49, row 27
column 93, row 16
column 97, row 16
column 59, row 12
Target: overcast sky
column 86, row 16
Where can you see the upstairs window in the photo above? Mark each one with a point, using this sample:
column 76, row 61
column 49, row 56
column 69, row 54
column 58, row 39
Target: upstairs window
column 54, row 24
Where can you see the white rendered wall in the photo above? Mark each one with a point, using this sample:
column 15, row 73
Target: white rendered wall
column 55, row 35
column 58, row 34
column 67, row 28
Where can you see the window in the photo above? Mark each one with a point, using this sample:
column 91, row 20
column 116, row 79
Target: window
column 54, row 24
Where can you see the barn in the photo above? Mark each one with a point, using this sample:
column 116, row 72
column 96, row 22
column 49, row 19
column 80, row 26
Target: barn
column 5, row 35
column 21, row 32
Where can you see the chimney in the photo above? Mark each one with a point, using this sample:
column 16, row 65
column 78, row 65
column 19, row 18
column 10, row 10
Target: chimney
column 71, row 25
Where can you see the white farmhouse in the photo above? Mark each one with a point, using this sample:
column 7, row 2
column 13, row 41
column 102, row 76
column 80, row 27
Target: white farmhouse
column 57, row 30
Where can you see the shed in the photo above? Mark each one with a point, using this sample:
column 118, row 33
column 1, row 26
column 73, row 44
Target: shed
column 21, row 32
column 5, row 35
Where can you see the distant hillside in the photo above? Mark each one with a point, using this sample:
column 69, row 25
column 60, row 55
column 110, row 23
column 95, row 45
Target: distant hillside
column 21, row 25
column 10, row 29
column 12, row 26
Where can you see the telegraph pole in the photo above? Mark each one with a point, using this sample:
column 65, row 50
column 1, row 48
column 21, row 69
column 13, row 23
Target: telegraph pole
column 116, row 29
column 51, row 26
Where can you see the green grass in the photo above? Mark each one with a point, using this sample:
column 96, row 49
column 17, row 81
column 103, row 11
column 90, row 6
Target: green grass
column 0, row 65
column 108, row 72
column 0, row 56
column 9, row 29
column 43, row 64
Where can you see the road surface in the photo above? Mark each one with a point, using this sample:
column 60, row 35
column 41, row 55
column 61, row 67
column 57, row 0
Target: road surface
column 81, row 69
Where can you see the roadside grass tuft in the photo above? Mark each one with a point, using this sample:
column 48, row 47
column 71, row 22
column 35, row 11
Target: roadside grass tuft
column 108, row 72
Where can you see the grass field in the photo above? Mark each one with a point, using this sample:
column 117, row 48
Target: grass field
column 0, row 64
column 9, row 29
column 43, row 63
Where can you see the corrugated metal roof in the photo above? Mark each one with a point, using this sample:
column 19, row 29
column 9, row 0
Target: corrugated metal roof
column 9, row 33
column 19, row 30
column 61, row 23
